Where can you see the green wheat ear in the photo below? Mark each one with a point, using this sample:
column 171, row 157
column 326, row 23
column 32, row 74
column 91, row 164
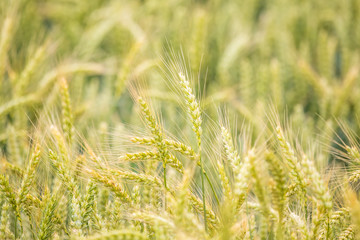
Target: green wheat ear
column 225, row 183
column 111, row 184
column 29, row 176
column 193, row 109
column 157, row 134
column 47, row 225
column 278, row 189
column 231, row 153
column 67, row 116
column 291, row 160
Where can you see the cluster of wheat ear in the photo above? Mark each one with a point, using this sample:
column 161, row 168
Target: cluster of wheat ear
column 159, row 187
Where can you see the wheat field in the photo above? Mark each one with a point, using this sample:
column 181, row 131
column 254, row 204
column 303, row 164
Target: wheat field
column 179, row 119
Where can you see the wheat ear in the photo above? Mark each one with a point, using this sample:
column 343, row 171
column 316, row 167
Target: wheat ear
column 193, row 109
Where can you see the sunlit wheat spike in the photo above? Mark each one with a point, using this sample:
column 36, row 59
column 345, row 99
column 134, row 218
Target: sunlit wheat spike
column 76, row 214
column 75, row 199
column 151, row 121
column 192, row 105
column 353, row 153
column 88, row 204
column 182, row 215
column 227, row 191
column 231, row 153
column 136, row 195
column 157, row 134
column 47, row 225
column 354, row 176
column 348, row 233
column 61, row 144
column 154, row 219
column 301, row 225
column 198, row 206
column 317, row 185
column 67, row 116
column 319, row 226
column 143, row 140
column 194, row 111
column 171, row 144
column 10, row 196
column 174, row 162
column 111, row 184
column 242, row 178
column 258, row 208
column 140, row 156
column 78, row 165
column 29, row 174
column 182, row 148
column 278, row 189
column 5, row 223
column 60, row 167
column 136, row 177
column 32, row 201
column 340, row 215
column 291, row 159
column 259, row 189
